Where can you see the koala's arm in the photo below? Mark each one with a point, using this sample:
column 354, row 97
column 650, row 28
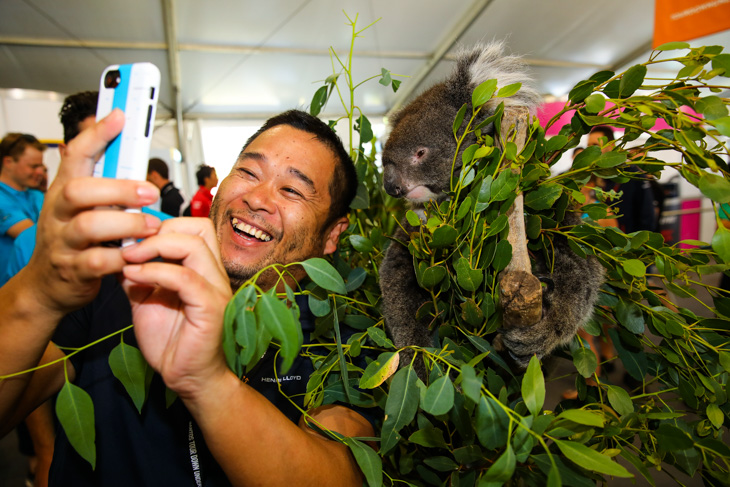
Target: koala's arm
column 402, row 296
column 566, row 308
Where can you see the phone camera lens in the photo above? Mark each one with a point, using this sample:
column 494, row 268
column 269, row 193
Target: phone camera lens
column 112, row 79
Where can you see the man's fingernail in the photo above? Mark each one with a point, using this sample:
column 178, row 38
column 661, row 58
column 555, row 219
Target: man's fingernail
column 152, row 221
column 147, row 193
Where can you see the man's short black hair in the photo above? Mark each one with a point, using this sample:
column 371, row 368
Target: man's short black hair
column 159, row 166
column 605, row 130
column 203, row 172
column 75, row 109
column 343, row 185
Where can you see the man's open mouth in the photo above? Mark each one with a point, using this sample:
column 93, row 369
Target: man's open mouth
column 247, row 230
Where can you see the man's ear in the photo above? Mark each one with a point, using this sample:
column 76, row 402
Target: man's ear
column 333, row 238
column 62, row 148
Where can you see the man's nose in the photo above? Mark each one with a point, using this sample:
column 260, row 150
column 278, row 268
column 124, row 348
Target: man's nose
column 259, row 197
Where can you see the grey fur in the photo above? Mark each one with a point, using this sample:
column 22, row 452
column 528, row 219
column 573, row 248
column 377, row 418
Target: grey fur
column 417, row 165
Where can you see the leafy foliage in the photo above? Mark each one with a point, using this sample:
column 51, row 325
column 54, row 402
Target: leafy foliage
column 476, row 421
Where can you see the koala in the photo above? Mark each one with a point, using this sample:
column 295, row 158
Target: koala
column 417, row 161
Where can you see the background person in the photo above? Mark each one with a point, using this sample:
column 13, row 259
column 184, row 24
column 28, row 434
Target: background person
column 202, row 200
column 159, row 174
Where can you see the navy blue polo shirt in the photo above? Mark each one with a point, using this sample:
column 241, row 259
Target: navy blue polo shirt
column 162, row 445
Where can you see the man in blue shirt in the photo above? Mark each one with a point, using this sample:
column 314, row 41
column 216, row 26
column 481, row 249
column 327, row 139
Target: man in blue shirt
column 21, row 156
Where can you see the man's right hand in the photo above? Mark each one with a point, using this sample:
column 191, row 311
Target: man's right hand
column 68, row 263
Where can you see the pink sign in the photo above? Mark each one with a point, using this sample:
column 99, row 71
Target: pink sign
column 547, row 111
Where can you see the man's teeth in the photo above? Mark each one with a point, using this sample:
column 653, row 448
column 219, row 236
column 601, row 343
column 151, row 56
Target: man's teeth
column 249, row 230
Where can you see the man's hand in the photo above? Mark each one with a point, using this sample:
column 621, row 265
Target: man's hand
column 68, row 263
column 178, row 304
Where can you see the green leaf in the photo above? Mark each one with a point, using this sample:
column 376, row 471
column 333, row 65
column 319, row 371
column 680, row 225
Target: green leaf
column 504, row 186
column 501, row 471
column 582, row 90
column 492, row 423
column 632, row 80
column 502, row 256
column 378, row 336
column 715, row 187
column 533, row 386
column 459, row 118
column 591, row 460
column 444, row 236
column 365, row 129
column 585, row 361
column 129, row 366
column 722, row 61
column 429, row 437
column 629, row 315
column 582, row 416
column 483, row 93
column 587, row 157
column 413, row 219
column 395, row 84
column 368, row 460
column 318, row 101
column 400, row 407
column 324, row 275
column 634, row 267
column 361, row 244
column 620, row 400
column 611, row 159
column 715, row 415
column 497, row 225
column 543, row 197
column 722, row 125
column 595, row 103
column 385, row 78
column 556, row 143
column 75, row 412
column 469, row 279
column 379, row 370
column 485, row 194
column 509, row 90
column 280, row 323
column 671, row 438
column 721, row 243
column 439, row 398
column 671, row 46
column 470, row 383
column 432, row 276
column 362, row 198
column 355, row 279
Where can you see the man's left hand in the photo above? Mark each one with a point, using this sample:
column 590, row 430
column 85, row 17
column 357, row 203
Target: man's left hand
column 178, row 304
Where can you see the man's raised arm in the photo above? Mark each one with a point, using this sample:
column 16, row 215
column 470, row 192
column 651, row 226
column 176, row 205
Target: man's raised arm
column 67, row 265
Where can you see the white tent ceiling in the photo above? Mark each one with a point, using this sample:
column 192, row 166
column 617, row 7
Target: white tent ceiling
column 249, row 59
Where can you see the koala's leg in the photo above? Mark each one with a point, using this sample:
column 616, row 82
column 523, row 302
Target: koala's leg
column 402, row 296
column 566, row 307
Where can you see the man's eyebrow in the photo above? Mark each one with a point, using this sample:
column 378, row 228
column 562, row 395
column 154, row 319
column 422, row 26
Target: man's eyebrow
column 303, row 178
column 252, row 155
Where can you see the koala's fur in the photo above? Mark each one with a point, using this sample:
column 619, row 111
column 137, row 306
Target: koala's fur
column 417, row 166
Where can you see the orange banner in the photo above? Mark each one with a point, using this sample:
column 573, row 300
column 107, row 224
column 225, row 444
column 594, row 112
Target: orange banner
column 684, row 20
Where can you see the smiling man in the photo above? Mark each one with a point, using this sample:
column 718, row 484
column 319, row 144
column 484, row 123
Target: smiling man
column 285, row 200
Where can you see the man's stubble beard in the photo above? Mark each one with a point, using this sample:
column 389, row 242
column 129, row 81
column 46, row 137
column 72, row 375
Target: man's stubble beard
column 239, row 273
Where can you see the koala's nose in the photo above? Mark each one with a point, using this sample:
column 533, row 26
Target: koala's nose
column 393, row 189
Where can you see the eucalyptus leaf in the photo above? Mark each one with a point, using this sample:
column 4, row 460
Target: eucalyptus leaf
column 379, row 370
column 324, row 275
column 585, row 361
column 75, row 412
column 129, row 366
column 620, row 400
column 591, row 459
column 400, row 407
column 533, row 386
column 368, row 460
column 483, row 93
column 280, row 323
column 439, row 398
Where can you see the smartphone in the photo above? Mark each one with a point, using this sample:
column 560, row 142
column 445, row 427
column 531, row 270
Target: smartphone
column 134, row 89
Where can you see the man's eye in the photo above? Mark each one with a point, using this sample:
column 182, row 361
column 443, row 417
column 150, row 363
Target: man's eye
column 292, row 191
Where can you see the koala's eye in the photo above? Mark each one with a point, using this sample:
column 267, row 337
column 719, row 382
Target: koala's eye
column 421, row 153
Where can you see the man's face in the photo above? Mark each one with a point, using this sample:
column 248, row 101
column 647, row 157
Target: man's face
column 27, row 170
column 599, row 139
column 272, row 207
